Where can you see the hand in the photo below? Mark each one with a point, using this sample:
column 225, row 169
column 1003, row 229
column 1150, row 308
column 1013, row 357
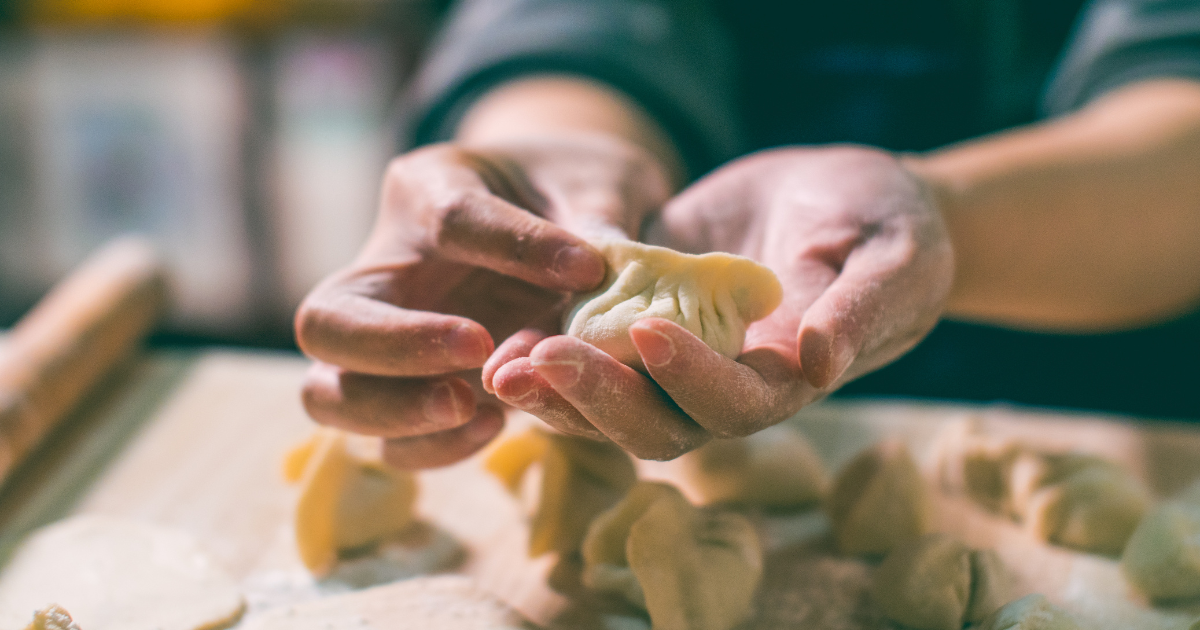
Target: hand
column 470, row 245
column 866, row 266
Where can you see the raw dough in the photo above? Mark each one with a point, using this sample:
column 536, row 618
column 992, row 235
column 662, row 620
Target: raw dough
column 1162, row 558
column 938, row 583
column 423, row 603
column 715, row 296
column 349, row 499
column 775, row 468
column 690, row 569
column 1084, row 503
column 52, row 618
column 114, row 574
column 580, row 478
column 1032, row 612
column 878, row 501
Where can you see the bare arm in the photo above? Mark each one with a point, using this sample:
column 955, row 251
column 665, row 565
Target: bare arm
column 1090, row 222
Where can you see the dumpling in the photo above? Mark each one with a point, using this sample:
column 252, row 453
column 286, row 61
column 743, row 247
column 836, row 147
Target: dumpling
column 689, row 569
column 580, row 478
column 714, row 296
column 878, row 501
column 349, row 498
column 775, row 468
column 1083, row 503
column 1162, row 558
column 1032, row 612
column 938, row 583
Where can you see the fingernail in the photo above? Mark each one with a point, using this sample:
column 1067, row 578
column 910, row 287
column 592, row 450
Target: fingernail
column 559, row 373
column 442, row 406
column 579, row 265
column 834, row 352
column 656, row 348
column 466, row 346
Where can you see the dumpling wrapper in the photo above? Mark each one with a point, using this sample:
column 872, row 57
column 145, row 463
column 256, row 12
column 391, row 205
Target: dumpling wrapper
column 878, row 501
column 1162, row 558
column 580, row 478
column 115, row 574
column 1032, row 612
column 774, row 468
column 423, row 603
column 349, row 498
column 714, row 296
column 938, row 583
column 689, row 569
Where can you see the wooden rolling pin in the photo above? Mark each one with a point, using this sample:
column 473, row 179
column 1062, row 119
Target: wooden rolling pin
column 85, row 326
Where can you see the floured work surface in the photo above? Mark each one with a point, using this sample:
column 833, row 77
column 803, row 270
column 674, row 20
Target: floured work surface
column 208, row 463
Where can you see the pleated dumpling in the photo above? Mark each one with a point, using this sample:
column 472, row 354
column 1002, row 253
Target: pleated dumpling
column 714, row 296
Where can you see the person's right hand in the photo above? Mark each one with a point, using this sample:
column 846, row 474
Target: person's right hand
column 470, row 247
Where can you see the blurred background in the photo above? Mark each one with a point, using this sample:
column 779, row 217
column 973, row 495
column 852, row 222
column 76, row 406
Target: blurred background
column 246, row 137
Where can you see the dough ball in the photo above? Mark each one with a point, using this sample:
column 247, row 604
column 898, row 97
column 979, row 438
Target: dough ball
column 774, row 468
column 1032, row 612
column 1162, row 558
column 938, row 583
column 878, row 501
column 580, row 478
column 1092, row 508
column 114, row 574
column 349, row 498
column 689, row 569
column 978, row 465
column 423, row 603
column 714, row 296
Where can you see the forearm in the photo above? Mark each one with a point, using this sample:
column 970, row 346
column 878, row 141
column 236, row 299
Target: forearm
column 1086, row 223
column 546, row 105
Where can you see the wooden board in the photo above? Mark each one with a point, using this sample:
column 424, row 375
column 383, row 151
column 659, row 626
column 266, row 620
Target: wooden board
column 207, row 462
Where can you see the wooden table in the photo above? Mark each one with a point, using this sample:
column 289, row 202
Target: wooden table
column 194, row 441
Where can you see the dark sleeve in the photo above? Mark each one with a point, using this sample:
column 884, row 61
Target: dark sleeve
column 671, row 56
column 1118, row 42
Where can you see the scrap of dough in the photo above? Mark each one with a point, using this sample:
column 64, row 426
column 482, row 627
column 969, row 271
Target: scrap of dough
column 689, row 569
column 114, row 574
column 878, row 501
column 424, row 603
column 714, row 296
column 581, row 478
column 1162, row 558
column 938, row 583
column 1032, row 612
column 349, row 498
column 1094, row 507
column 52, row 617
column 775, row 468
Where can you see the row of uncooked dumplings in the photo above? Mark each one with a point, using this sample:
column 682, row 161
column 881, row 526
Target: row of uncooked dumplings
column 698, row 568
column 1086, row 503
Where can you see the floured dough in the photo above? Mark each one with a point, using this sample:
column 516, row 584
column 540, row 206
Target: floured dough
column 349, row 499
column 114, row 574
column 1162, row 558
column 938, row 583
column 688, row 568
column 878, row 501
column 714, row 296
column 424, row 603
column 580, row 478
column 775, row 467
column 1032, row 612
column 52, row 618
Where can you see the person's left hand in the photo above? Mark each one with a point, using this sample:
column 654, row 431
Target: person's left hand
column 865, row 263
